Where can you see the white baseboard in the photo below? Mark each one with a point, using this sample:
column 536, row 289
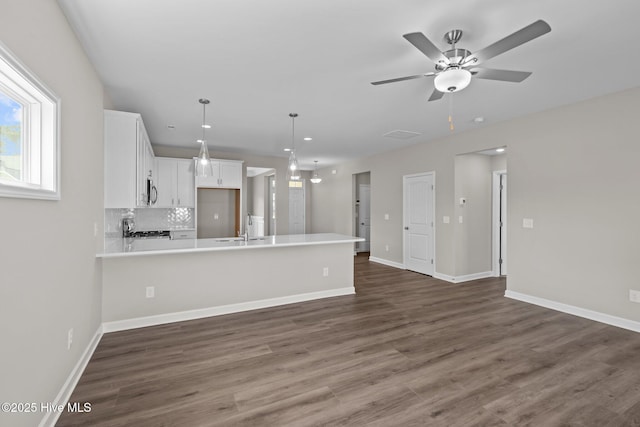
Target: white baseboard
column 141, row 322
column 474, row 276
column 51, row 417
column 387, row 262
column 620, row 322
column 465, row 278
column 444, row 277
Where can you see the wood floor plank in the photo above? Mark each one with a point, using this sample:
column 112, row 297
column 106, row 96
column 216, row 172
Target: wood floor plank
column 406, row 350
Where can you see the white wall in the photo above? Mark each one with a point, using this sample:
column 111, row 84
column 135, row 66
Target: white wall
column 573, row 170
column 50, row 280
column 473, row 180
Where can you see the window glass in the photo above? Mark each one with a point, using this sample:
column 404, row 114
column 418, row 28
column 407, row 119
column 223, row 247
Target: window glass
column 11, row 137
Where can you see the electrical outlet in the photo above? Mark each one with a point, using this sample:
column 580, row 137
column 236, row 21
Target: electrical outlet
column 634, row 296
column 95, row 229
column 325, row 271
column 386, row 248
column 151, row 292
column 386, row 217
column 69, row 338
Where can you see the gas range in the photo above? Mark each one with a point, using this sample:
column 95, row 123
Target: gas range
column 150, row 234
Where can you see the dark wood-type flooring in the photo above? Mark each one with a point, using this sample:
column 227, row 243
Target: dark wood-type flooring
column 406, row 350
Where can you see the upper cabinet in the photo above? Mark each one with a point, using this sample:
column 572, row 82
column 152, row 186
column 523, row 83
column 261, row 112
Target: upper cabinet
column 226, row 174
column 175, row 182
column 129, row 165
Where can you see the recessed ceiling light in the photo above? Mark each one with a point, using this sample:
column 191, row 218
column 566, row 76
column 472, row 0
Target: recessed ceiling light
column 206, row 126
column 499, row 150
column 287, row 149
column 308, row 138
column 199, row 140
column 478, row 120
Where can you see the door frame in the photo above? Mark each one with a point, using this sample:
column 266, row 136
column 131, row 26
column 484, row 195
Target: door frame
column 358, row 247
column 495, row 218
column 433, row 216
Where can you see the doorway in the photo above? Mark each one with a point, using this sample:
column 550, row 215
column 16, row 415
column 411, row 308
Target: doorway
column 419, row 212
column 296, row 207
column 499, row 229
column 362, row 210
column 260, row 201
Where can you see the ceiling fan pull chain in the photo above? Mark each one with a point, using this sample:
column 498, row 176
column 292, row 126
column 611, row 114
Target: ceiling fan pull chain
column 451, row 111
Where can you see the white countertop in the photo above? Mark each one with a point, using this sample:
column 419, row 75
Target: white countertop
column 120, row 247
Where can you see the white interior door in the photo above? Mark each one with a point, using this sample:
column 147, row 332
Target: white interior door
column 418, row 191
column 364, row 216
column 296, row 208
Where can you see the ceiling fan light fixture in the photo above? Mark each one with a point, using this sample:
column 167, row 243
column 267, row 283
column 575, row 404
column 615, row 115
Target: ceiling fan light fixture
column 452, row 80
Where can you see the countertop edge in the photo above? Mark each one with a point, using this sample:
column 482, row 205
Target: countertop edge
column 349, row 239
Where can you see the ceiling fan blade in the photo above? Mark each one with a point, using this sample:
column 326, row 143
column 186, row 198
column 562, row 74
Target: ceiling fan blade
column 502, row 75
column 435, row 95
column 424, row 45
column 399, row 79
column 522, row 36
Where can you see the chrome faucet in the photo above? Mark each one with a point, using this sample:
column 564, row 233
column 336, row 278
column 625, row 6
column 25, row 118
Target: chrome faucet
column 245, row 236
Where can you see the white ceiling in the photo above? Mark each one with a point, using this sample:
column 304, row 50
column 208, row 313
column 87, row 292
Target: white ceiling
column 260, row 60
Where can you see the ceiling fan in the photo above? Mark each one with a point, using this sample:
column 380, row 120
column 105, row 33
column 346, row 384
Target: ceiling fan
column 455, row 67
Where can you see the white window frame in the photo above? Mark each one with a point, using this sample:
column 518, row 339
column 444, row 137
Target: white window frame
column 41, row 131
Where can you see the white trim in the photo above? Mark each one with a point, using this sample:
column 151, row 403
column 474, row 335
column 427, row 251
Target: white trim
column 51, row 417
column 140, row 322
column 387, row 262
column 465, row 278
column 474, row 276
column 631, row 325
column 43, row 130
column 444, row 277
column 495, row 212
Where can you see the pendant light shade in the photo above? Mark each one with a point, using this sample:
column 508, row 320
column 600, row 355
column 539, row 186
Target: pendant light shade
column 203, row 163
column 293, row 169
column 316, row 178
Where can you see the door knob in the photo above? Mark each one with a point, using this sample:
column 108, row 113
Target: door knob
column 406, row 228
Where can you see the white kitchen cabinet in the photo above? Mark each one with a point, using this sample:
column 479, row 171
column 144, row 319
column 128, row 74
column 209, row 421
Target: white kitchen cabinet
column 226, row 174
column 129, row 160
column 175, row 182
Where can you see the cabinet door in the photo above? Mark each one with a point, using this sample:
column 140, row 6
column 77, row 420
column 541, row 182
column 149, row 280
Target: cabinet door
column 166, row 182
column 230, row 174
column 185, row 183
column 120, row 162
column 146, row 164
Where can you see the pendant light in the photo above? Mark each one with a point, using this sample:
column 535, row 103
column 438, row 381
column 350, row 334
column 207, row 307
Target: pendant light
column 293, row 169
column 203, row 163
column 315, row 179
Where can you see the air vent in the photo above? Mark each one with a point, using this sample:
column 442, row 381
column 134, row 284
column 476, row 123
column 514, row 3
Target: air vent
column 401, row 134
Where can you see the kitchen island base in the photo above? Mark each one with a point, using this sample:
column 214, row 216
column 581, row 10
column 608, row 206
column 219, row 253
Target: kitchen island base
column 193, row 285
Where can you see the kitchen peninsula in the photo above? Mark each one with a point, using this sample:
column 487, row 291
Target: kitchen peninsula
column 155, row 281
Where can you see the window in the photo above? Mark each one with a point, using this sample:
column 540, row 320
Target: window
column 29, row 124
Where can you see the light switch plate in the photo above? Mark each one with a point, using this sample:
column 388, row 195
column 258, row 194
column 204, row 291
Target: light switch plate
column 460, row 220
column 527, row 223
column 386, row 217
column 446, row 219
column 634, row 296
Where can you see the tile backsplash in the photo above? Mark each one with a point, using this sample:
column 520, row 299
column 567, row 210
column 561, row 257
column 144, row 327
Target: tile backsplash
column 149, row 219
